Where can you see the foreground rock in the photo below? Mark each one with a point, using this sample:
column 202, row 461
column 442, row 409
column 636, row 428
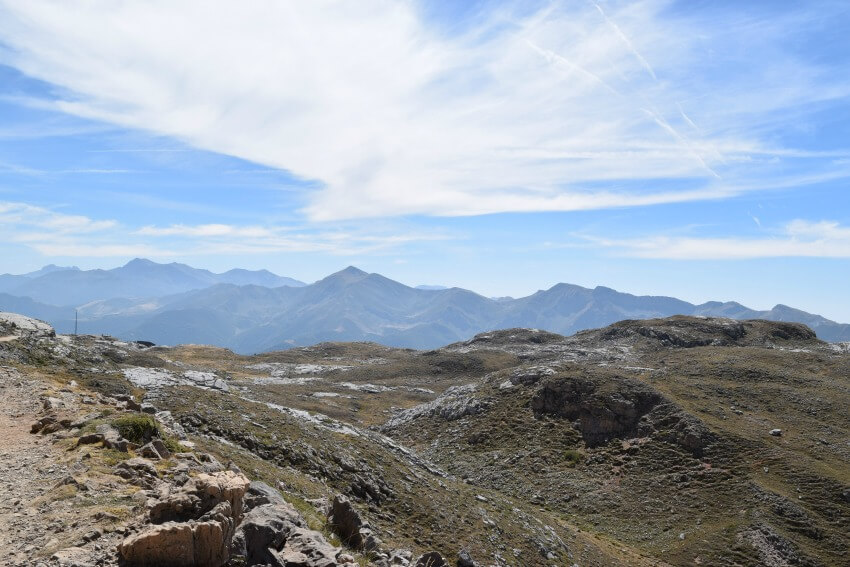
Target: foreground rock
column 350, row 527
column 194, row 525
column 274, row 533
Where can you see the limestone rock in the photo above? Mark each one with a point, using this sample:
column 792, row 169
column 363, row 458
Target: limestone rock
column 350, row 527
column 138, row 471
column 307, row 548
column 260, row 493
column 264, row 530
column 156, row 450
column 193, row 525
column 464, row 559
column 431, row 559
column 177, row 544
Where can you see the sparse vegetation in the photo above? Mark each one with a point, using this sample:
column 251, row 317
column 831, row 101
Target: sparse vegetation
column 139, row 428
column 573, row 457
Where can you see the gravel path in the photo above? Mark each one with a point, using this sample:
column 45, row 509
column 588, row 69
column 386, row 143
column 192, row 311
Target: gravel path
column 36, row 531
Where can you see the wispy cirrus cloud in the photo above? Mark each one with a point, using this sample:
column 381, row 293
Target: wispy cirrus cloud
column 56, row 234
column 236, row 239
column 572, row 106
column 16, row 217
column 798, row 238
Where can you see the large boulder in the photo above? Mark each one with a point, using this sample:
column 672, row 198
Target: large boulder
column 264, row 531
column 346, row 522
column 176, row 544
column 307, row 548
column 193, row 525
column 431, row 559
column 275, row 534
column 198, row 496
column 260, row 494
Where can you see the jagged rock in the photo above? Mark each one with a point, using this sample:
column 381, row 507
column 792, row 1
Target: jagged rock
column 148, row 408
column 776, row 432
column 618, row 408
column 346, row 522
column 307, row 548
column 260, row 493
column 400, row 557
column 112, row 439
column 199, row 521
column 23, row 326
column 90, row 439
column 599, row 413
column 198, row 496
column 464, row 559
column 264, row 530
column 210, row 464
column 370, row 486
column 431, row 559
column 138, row 471
column 51, row 403
column 156, row 449
column 41, row 423
column 177, row 544
column 530, row 375
column 456, row 402
column 71, row 481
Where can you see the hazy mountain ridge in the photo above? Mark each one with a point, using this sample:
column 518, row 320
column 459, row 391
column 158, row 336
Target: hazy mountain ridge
column 350, row 305
column 138, row 278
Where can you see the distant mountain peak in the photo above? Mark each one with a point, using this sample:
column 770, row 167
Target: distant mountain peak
column 49, row 269
column 353, row 270
column 349, row 273
column 139, row 262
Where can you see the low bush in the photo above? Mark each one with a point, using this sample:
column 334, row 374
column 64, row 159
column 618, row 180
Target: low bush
column 139, row 428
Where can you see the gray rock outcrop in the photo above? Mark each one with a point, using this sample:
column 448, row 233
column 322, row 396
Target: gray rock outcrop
column 346, row 522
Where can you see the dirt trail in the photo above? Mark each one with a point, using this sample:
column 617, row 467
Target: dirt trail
column 28, row 468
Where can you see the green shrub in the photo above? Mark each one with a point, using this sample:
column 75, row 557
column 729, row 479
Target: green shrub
column 573, row 457
column 139, row 428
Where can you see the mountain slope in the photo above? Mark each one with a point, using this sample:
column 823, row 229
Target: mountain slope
column 350, row 305
column 661, row 442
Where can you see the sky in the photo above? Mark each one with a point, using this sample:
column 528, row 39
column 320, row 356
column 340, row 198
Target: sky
column 695, row 149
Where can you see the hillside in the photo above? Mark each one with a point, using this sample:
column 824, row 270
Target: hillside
column 676, row 441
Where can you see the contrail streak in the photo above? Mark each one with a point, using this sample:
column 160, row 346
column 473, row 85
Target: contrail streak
column 681, row 139
column 628, row 43
column 554, row 57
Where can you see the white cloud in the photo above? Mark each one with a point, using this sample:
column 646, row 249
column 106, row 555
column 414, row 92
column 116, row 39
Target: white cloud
column 799, row 238
column 205, row 230
column 100, row 250
column 56, row 234
column 18, row 217
column 233, row 239
column 393, row 117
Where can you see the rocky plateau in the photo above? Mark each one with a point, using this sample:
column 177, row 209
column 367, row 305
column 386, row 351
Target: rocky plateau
column 676, row 441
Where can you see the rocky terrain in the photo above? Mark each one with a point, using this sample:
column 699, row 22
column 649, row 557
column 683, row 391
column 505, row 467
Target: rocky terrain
column 678, row 441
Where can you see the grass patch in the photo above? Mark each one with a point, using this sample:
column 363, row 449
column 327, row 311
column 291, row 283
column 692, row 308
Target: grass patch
column 572, row 457
column 112, row 457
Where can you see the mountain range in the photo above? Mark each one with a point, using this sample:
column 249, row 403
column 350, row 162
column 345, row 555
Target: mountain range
column 255, row 311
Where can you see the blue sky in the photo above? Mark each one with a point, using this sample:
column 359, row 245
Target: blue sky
column 694, row 149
